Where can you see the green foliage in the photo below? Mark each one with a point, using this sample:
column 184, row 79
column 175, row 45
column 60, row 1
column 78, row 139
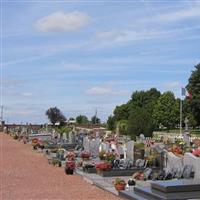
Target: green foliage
column 64, row 129
column 139, row 145
column 121, row 112
column 134, row 112
column 82, row 119
column 55, row 115
column 95, row 120
column 194, row 88
column 122, row 126
column 140, row 122
column 166, row 112
column 111, row 123
column 146, row 99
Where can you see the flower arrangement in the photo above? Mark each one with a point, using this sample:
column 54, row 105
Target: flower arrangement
column 139, row 176
column 102, row 155
column 176, row 149
column 119, row 184
column 69, row 167
column 34, row 141
column 85, row 155
column 196, row 152
column 110, row 157
column 70, row 164
column 71, row 156
column 103, row 166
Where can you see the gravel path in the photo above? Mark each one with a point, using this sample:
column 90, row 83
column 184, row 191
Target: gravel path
column 26, row 175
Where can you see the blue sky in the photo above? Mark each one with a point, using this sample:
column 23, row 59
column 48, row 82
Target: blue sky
column 87, row 55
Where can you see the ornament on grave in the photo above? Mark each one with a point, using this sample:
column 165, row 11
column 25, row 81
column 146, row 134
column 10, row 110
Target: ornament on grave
column 186, row 124
column 142, row 137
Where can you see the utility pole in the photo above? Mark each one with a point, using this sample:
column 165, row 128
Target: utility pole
column 1, row 113
column 95, row 117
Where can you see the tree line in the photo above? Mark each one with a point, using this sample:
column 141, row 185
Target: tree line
column 55, row 115
column 146, row 111
column 150, row 110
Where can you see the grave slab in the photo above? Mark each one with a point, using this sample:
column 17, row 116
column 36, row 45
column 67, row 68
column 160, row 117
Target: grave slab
column 184, row 185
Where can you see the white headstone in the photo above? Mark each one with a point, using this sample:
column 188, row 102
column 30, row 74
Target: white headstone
column 130, row 149
column 86, row 144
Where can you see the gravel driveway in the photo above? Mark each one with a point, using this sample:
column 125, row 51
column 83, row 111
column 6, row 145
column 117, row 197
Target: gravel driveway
column 26, row 175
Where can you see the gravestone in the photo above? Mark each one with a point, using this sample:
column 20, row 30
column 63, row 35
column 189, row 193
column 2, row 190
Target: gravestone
column 71, row 137
column 94, row 146
column 130, row 149
column 86, row 144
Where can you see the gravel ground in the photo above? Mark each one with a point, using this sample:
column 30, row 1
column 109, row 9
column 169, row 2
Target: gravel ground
column 26, row 175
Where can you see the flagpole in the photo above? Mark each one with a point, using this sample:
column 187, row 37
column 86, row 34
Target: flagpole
column 181, row 115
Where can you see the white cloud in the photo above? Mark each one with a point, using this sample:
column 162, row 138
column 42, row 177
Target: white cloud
column 27, row 94
column 178, row 15
column 106, row 90
column 98, row 90
column 124, row 36
column 172, row 85
column 60, row 22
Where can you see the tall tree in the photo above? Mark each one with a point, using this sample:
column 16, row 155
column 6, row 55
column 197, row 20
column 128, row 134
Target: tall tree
column 111, row 123
column 95, row 120
column 55, row 115
column 82, row 119
column 140, row 122
column 122, row 126
column 121, row 112
column 166, row 112
column 194, row 88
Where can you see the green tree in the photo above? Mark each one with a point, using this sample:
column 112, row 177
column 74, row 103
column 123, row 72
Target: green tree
column 166, row 111
column 122, row 126
column 140, row 122
column 111, row 123
column 121, row 112
column 82, row 119
column 193, row 87
column 145, row 99
column 55, row 115
column 95, row 120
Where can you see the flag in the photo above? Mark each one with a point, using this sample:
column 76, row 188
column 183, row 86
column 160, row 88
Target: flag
column 186, row 93
column 183, row 91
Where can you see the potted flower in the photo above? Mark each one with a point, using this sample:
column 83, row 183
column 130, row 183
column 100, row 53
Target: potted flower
column 103, row 166
column 70, row 156
column 102, row 155
column 69, row 167
column 196, row 152
column 119, row 184
column 85, row 155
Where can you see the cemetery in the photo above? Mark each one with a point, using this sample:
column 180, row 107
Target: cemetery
column 158, row 167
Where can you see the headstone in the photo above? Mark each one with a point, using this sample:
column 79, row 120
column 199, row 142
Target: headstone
column 64, row 136
column 71, row 137
column 94, row 146
column 86, row 144
column 130, row 149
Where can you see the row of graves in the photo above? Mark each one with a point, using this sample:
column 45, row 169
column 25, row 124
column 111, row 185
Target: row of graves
column 162, row 167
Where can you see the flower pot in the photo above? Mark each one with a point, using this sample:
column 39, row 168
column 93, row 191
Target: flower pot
column 120, row 186
column 69, row 171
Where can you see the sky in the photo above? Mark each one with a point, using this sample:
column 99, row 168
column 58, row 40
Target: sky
column 82, row 56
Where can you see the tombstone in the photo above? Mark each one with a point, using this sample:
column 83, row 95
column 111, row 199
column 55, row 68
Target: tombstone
column 71, row 137
column 94, row 146
column 130, row 149
column 186, row 138
column 86, row 144
column 64, row 136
